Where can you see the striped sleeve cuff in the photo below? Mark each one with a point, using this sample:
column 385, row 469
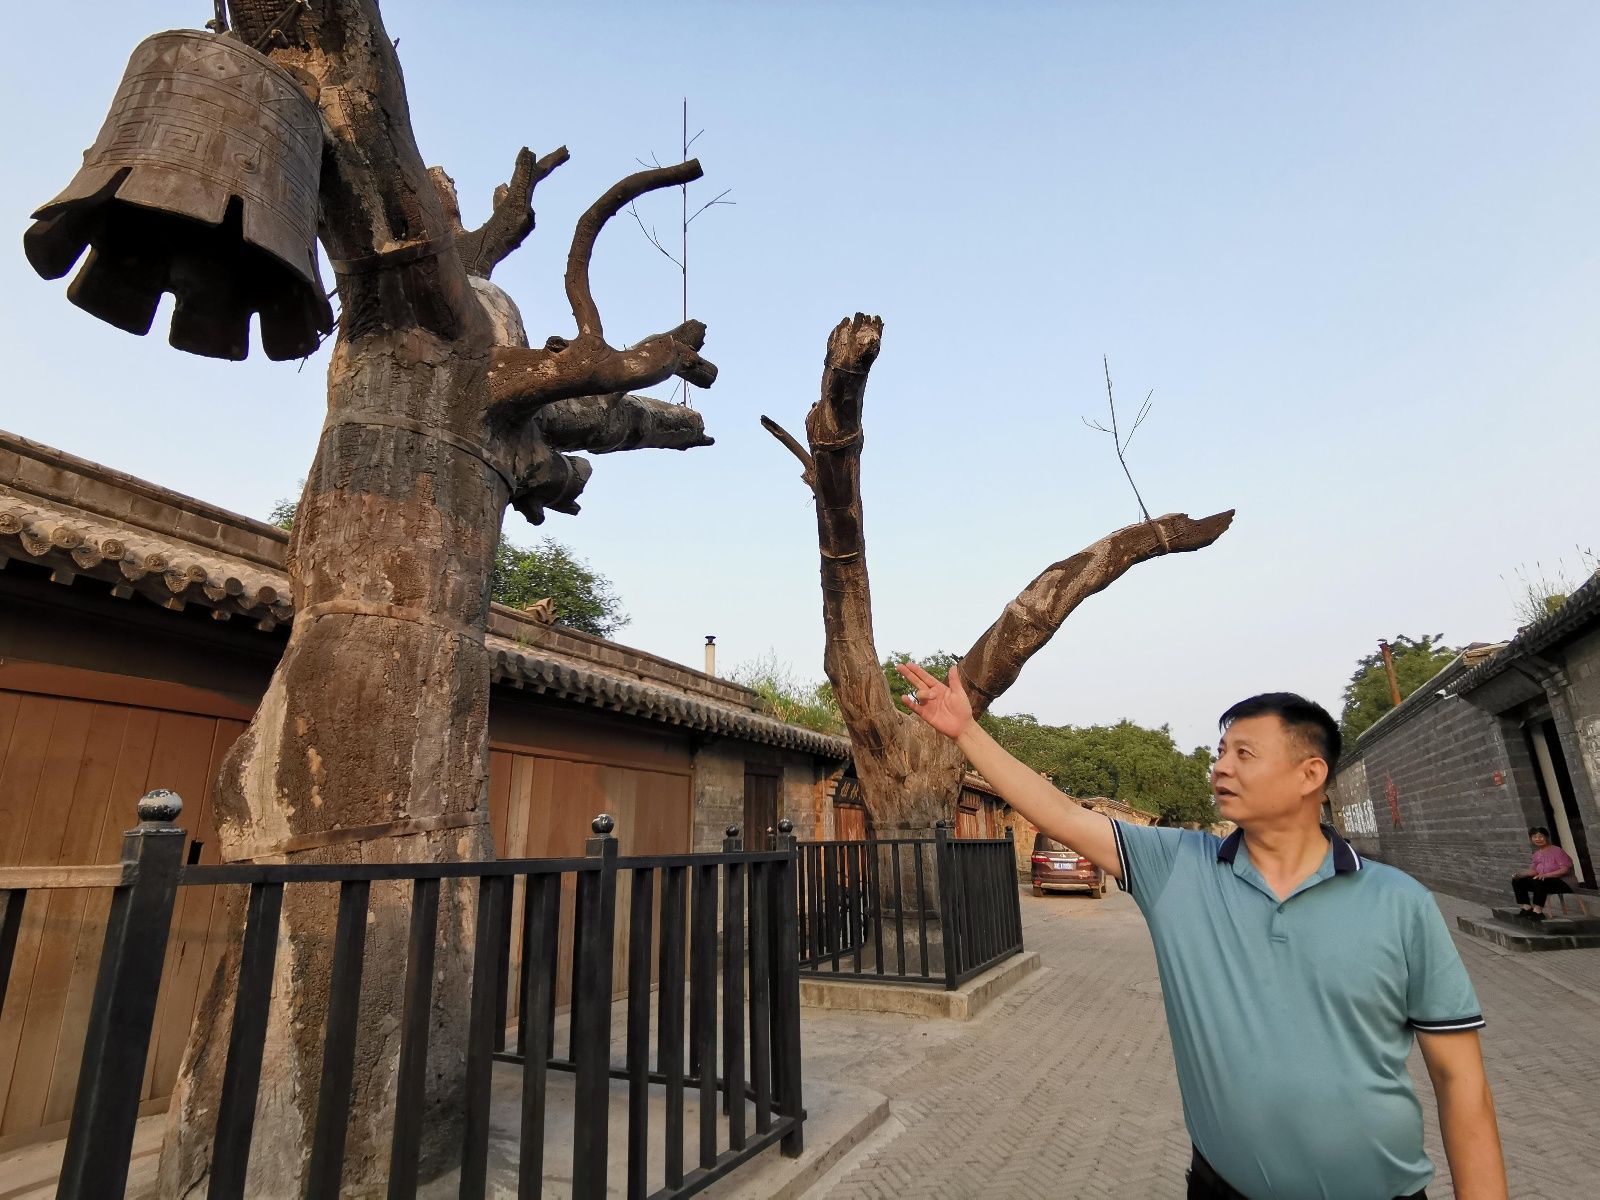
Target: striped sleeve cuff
column 1458, row 1025
column 1124, row 882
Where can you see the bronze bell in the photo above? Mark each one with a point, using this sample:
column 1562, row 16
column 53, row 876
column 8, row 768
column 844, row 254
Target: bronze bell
column 202, row 183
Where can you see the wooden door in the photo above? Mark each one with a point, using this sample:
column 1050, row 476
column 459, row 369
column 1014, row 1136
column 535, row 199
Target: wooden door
column 850, row 823
column 760, row 807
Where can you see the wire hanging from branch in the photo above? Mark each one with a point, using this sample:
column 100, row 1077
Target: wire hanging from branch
column 1115, row 433
column 686, row 218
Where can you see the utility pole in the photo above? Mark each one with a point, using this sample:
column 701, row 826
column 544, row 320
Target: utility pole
column 1388, row 666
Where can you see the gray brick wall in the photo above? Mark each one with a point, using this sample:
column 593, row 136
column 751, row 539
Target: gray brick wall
column 1581, row 739
column 719, row 789
column 1460, row 831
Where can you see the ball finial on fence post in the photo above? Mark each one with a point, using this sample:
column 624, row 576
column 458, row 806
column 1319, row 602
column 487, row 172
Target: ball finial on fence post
column 731, row 831
column 603, row 825
column 785, row 839
column 160, row 806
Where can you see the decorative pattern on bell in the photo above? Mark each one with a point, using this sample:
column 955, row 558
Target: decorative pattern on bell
column 202, row 183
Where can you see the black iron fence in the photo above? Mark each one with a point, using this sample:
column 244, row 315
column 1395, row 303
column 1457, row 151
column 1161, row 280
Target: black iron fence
column 929, row 911
column 710, row 944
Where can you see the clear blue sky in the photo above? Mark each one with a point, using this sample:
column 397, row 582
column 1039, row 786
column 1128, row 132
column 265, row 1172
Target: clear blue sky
column 1352, row 248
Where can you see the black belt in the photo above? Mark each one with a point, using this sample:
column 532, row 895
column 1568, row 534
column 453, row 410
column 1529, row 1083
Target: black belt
column 1206, row 1184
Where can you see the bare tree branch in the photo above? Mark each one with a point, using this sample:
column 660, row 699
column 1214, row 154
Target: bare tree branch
column 1031, row 620
column 715, row 202
column 579, row 293
column 808, row 464
column 652, row 237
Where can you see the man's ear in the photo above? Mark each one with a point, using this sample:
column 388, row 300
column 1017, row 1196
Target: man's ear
column 1314, row 772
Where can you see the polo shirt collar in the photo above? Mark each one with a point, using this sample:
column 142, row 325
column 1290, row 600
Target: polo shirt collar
column 1345, row 859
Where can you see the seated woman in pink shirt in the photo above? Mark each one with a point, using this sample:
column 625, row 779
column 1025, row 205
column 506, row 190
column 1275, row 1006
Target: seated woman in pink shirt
column 1549, row 873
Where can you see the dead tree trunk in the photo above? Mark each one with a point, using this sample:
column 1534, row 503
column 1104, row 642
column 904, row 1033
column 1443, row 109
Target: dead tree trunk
column 910, row 776
column 371, row 742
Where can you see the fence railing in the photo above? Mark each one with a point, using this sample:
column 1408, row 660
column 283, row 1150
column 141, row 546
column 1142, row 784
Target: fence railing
column 719, row 927
column 924, row 911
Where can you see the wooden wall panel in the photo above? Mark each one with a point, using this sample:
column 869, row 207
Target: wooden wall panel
column 548, row 804
column 70, row 774
column 74, row 760
column 128, row 777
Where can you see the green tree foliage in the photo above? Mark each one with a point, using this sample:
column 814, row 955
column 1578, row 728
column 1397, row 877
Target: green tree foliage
column 1367, row 696
column 810, row 706
column 1127, row 762
column 938, row 665
column 282, row 514
column 584, row 598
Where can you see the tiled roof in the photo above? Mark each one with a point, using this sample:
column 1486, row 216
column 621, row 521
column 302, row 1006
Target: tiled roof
column 164, row 568
column 1581, row 611
column 77, row 518
column 584, row 684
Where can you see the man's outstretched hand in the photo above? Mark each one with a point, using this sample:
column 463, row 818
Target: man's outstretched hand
column 943, row 705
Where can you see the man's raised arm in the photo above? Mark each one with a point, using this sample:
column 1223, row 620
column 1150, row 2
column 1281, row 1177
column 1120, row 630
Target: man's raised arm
column 945, row 707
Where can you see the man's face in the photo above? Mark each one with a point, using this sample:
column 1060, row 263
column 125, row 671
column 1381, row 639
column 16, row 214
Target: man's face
column 1264, row 772
column 1539, row 841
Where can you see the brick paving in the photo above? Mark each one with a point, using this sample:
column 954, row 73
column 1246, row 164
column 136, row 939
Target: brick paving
column 1065, row 1088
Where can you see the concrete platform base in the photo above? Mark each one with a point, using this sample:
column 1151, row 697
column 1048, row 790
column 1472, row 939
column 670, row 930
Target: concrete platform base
column 838, row 1118
column 965, row 1002
column 1552, row 934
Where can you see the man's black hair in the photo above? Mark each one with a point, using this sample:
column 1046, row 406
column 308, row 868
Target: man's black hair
column 1304, row 718
column 1539, row 829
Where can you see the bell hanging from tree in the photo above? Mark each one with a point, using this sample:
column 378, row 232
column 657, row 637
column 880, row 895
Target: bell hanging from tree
column 202, row 183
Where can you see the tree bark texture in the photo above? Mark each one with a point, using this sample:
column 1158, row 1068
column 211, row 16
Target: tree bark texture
column 911, row 776
column 377, row 715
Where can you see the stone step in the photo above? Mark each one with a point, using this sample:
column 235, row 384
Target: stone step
column 1553, row 922
column 1523, row 936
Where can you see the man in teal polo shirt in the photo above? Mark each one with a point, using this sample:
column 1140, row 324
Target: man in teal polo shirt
column 1295, row 974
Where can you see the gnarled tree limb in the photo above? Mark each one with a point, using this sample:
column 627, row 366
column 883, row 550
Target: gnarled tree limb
column 554, row 484
column 523, row 380
column 510, row 222
column 910, row 775
column 603, row 424
column 808, row 465
column 1031, row 620
column 833, row 430
column 620, row 194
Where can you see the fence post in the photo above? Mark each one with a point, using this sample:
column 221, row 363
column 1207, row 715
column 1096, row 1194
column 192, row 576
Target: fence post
column 945, row 876
column 786, row 992
column 100, row 1139
column 733, row 919
column 731, row 844
column 591, row 1013
column 1016, row 891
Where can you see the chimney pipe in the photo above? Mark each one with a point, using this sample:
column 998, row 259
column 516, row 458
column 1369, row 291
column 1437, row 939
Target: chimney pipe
column 711, row 654
column 1388, row 666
